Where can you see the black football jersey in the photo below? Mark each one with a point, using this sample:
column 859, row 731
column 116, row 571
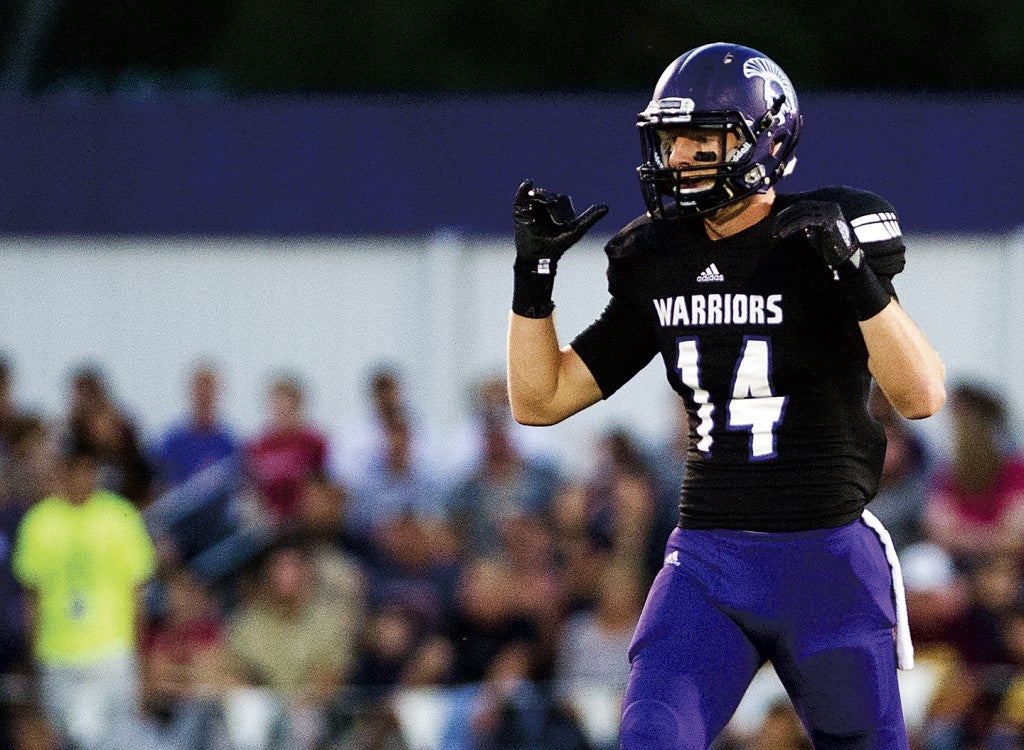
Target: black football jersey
column 765, row 349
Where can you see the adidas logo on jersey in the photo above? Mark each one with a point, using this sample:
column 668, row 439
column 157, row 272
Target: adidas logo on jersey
column 672, row 558
column 711, row 273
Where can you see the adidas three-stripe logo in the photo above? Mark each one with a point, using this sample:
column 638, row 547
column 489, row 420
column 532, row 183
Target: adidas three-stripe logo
column 711, row 273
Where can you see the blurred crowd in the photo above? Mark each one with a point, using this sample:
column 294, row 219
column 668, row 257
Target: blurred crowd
column 379, row 584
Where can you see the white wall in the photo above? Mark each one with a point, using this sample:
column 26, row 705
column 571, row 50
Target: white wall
column 145, row 310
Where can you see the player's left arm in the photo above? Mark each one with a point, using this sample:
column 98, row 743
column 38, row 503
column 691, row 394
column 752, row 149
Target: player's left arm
column 903, row 362
column 865, row 254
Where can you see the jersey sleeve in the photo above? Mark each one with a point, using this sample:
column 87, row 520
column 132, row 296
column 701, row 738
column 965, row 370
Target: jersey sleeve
column 620, row 343
column 616, row 346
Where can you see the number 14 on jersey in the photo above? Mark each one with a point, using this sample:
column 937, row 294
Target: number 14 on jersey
column 753, row 407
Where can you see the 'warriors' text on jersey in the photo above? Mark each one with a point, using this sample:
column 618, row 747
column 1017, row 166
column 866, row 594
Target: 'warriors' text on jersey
column 759, row 340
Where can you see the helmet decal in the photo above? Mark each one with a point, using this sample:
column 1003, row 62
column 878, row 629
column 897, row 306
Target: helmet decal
column 776, row 83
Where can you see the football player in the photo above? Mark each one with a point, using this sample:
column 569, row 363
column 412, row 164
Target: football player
column 772, row 313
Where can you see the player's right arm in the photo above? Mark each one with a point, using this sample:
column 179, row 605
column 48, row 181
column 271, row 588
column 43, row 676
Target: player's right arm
column 546, row 382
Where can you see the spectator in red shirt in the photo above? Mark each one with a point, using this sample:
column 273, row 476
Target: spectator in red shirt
column 280, row 458
column 976, row 505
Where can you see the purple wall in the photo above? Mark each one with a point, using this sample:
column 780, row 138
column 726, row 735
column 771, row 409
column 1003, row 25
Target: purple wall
column 205, row 165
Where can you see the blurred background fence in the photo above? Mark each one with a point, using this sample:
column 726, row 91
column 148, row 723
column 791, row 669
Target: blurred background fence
column 148, row 310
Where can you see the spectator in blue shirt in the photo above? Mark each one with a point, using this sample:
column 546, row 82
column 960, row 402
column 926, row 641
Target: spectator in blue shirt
column 198, row 440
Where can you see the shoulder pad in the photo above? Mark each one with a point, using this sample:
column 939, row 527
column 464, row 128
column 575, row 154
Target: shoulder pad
column 630, row 239
column 874, row 224
column 872, row 217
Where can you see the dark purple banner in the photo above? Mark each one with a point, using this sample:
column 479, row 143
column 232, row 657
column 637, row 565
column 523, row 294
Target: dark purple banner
column 302, row 166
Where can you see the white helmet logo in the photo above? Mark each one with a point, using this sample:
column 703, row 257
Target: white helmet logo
column 775, row 83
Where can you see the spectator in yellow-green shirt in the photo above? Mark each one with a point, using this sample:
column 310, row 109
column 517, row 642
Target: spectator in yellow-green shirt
column 83, row 554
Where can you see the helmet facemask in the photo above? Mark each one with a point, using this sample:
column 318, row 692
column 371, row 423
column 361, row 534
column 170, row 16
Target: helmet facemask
column 732, row 167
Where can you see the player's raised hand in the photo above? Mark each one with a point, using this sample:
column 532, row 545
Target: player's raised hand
column 823, row 225
column 546, row 225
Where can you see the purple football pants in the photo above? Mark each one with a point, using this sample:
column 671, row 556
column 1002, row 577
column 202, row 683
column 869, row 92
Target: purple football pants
column 817, row 604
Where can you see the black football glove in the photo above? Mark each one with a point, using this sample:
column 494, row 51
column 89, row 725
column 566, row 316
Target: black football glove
column 822, row 224
column 546, row 225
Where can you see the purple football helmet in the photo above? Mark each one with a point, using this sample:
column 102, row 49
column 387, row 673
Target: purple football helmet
column 727, row 89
